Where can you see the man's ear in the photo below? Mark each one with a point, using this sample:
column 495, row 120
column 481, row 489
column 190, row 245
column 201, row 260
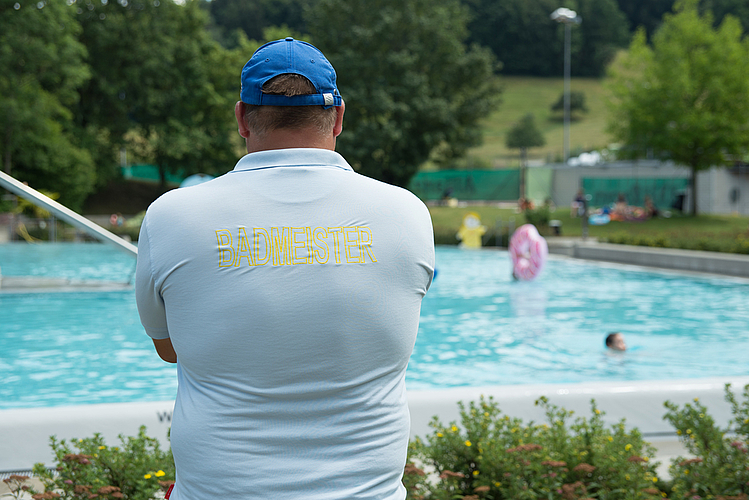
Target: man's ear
column 239, row 111
column 338, row 127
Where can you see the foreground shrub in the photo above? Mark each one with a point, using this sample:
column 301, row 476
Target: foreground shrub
column 135, row 471
column 497, row 457
column 719, row 466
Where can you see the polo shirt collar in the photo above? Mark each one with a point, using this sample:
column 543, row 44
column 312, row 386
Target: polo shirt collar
column 292, row 157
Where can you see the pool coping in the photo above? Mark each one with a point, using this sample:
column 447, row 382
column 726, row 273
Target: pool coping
column 726, row 264
column 25, row 432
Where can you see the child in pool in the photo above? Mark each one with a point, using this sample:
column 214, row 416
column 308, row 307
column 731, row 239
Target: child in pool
column 615, row 342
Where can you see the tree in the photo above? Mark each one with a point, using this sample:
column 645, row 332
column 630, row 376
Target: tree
column 647, row 14
column 577, row 103
column 524, row 135
column 161, row 85
column 688, row 97
column 41, row 66
column 253, row 18
column 603, row 31
column 720, row 8
column 410, row 83
column 528, row 42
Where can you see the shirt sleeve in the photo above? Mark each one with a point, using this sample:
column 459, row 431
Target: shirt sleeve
column 147, row 295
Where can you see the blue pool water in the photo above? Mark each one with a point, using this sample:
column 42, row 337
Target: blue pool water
column 478, row 327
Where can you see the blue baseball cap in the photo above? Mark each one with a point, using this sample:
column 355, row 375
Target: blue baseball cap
column 289, row 56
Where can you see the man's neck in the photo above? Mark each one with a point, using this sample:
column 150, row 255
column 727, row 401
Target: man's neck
column 289, row 139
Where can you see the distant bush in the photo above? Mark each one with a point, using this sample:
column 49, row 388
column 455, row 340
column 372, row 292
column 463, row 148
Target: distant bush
column 539, row 217
column 738, row 244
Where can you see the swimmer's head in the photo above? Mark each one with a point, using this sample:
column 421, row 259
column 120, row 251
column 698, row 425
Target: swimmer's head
column 615, row 342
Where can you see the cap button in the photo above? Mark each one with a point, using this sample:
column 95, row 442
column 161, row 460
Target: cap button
column 289, row 39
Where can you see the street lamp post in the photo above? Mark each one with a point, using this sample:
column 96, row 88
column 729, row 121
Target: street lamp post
column 568, row 18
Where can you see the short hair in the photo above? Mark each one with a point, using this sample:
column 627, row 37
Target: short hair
column 263, row 119
column 610, row 338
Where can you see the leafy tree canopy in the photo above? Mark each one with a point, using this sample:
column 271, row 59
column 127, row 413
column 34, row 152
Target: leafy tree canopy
column 41, row 66
column 525, row 134
column 646, row 14
column 410, row 83
column 161, row 85
column 687, row 97
column 577, row 103
column 527, row 42
column 254, row 17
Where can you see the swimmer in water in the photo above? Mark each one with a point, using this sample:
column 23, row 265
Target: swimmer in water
column 615, row 342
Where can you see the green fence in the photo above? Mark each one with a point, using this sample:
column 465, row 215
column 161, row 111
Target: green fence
column 469, row 185
column 149, row 173
column 663, row 192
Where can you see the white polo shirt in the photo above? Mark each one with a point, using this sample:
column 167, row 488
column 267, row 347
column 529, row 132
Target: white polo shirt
column 291, row 289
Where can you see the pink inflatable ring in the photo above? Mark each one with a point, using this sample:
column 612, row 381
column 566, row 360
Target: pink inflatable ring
column 528, row 251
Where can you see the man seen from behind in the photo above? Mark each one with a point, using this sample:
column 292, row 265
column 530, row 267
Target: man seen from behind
column 288, row 292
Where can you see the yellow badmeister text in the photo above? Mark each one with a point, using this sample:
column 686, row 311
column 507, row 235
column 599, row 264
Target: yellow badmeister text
column 286, row 246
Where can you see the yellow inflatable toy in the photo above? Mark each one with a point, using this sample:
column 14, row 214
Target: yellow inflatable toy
column 471, row 231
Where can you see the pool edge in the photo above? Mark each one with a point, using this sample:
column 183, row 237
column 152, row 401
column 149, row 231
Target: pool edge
column 24, row 433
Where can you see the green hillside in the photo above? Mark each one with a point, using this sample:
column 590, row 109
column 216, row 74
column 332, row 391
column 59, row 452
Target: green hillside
column 524, row 95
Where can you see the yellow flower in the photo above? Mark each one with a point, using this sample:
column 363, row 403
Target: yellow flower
column 468, row 443
column 439, row 434
column 664, row 494
column 486, row 413
column 497, row 484
column 689, row 431
column 626, row 477
column 696, row 400
column 628, row 447
column 454, row 429
column 160, row 473
column 102, row 447
column 610, row 439
column 702, row 415
column 598, row 412
column 686, row 472
column 475, row 473
column 678, row 431
column 746, row 421
column 147, row 476
column 645, row 459
column 655, row 479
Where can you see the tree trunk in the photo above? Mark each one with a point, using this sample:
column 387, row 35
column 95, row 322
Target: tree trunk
column 523, row 156
column 7, row 155
column 162, row 177
column 693, row 189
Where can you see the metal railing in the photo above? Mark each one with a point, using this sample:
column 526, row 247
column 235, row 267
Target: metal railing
column 65, row 214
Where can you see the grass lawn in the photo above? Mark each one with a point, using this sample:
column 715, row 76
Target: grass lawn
column 523, row 95
column 704, row 232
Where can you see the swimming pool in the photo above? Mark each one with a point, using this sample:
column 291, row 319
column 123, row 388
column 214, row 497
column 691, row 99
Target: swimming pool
column 478, row 327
